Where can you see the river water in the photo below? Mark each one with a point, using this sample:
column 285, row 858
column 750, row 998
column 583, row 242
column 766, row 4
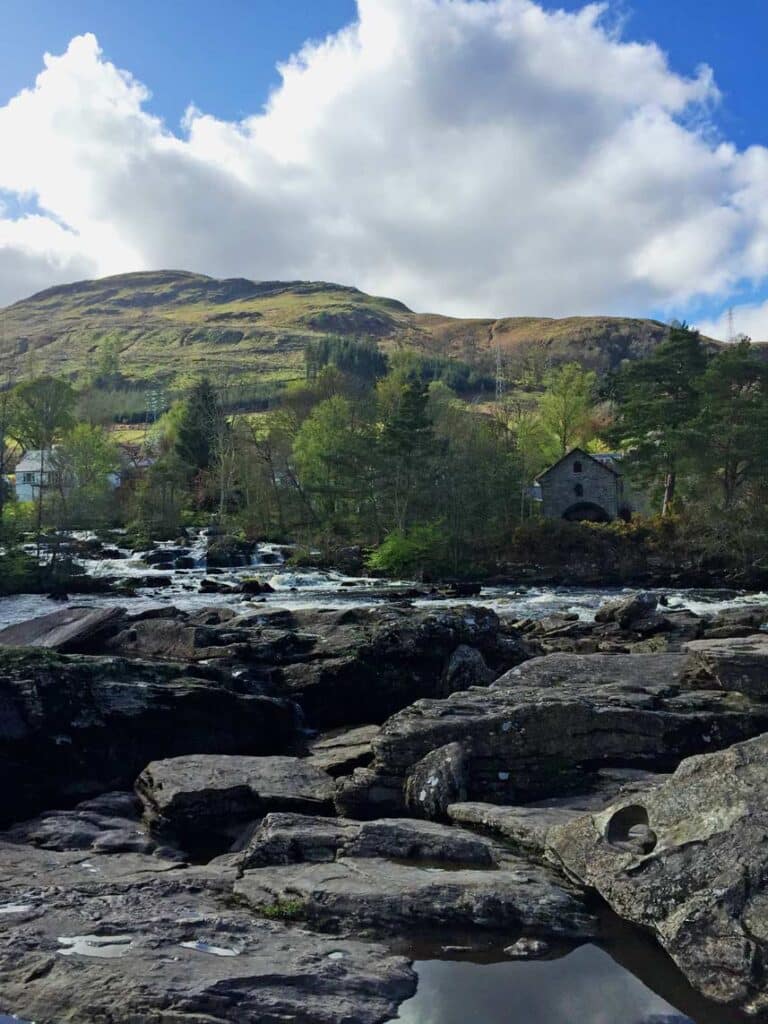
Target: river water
column 297, row 589
column 625, row 980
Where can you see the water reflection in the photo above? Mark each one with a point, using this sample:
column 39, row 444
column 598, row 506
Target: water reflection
column 629, row 980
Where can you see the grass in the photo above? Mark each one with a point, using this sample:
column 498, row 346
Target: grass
column 283, row 910
column 172, row 327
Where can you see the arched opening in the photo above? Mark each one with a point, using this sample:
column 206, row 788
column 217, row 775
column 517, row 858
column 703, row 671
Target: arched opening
column 629, row 829
column 586, row 512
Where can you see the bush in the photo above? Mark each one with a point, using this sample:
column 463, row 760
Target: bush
column 415, row 552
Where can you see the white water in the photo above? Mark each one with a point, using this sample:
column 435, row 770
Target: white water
column 298, row 589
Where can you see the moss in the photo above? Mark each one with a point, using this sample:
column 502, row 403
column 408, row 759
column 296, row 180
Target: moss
column 283, row 909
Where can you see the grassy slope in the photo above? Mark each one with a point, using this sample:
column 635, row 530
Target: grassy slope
column 172, row 327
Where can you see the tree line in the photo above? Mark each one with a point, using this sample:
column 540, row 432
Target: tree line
column 379, row 452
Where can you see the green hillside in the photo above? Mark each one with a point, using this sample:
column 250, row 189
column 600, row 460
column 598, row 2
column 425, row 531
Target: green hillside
column 171, row 327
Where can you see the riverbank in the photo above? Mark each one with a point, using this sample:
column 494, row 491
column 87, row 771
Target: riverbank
column 250, row 810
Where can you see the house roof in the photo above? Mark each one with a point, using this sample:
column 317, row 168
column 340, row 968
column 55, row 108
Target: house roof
column 605, row 463
column 30, row 461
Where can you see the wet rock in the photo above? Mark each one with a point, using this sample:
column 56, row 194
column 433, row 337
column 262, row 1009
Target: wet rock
column 627, row 612
column 437, row 780
column 196, row 797
column 227, row 552
column 71, row 726
column 161, row 942
column 71, row 629
column 689, row 861
column 737, row 664
column 342, row 752
column 255, row 586
column 550, row 726
column 184, row 562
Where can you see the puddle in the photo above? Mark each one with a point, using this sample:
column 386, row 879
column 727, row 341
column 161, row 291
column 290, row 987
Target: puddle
column 106, row 947
column 16, row 908
column 205, row 947
column 625, row 980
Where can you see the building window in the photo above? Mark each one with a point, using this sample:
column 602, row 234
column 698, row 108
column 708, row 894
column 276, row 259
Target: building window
column 579, row 490
column 27, row 478
column 577, row 467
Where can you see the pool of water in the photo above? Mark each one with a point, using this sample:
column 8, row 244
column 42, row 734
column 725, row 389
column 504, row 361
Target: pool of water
column 627, row 979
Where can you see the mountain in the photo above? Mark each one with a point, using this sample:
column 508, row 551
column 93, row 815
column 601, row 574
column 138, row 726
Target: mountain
column 172, row 327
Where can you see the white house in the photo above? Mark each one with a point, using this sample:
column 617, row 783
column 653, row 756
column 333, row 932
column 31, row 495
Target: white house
column 35, row 465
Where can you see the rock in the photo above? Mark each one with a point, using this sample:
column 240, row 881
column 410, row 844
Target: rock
column 465, row 668
column 737, row 665
column 439, row 779
column 296, row 839
column 70, row 629
column 743, row 621
column 162, row 557
column 255, row 586
column 550, row 726
column 71, row 726
column 627, row 612
column 107, row 824
column 390, row 896
column 200, row 797
column 148, row 940
column 689, row 861
column 340, row 753
column 208, row 586
column 184, row 562
column 527, row 949
column 228, row 552
column 527, row 827
column 400, row 654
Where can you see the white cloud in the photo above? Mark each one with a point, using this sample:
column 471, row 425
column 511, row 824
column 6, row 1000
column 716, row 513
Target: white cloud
column 465, row 157
column 750, row 319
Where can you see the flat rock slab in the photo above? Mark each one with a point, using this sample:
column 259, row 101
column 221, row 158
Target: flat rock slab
column 392, row 896
column 296, row 838
column 736, row 664
column 689, row 860
column 342, row 752
column 187, row 797
column 90, row 939
column 64, row 630
column 527, row 827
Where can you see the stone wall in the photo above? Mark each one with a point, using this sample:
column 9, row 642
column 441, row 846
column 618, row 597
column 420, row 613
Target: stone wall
column 598, row 484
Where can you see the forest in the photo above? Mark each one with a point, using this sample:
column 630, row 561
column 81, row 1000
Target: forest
column 404, row 461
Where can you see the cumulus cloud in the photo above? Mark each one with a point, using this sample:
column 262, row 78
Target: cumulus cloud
column 467, row 157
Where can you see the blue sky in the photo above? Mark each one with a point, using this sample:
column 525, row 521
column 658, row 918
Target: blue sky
column 222, row 58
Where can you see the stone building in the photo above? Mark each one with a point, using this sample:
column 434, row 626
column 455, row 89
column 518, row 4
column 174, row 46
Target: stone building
column 582, row 487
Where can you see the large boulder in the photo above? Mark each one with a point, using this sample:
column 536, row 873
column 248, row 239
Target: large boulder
column 71, row 628
column 689, row 860
column 228, row 552
column 71, row 726
column 548, row 727
column 346, row 667
column 198, row 797
column 628, row 611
